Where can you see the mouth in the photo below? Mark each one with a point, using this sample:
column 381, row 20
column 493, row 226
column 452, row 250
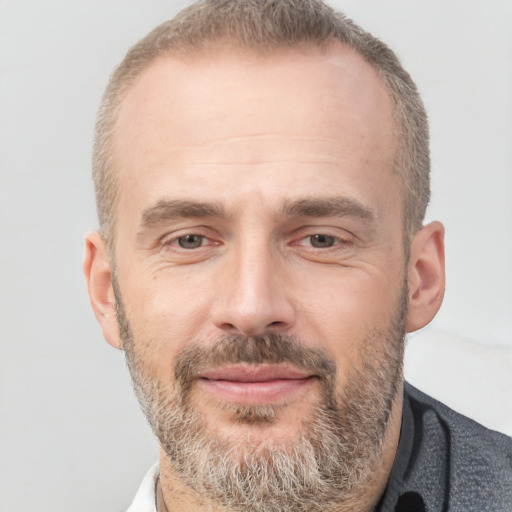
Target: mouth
column 255, row 385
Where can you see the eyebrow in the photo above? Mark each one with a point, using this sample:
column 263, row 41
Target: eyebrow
column 171, row 209
column 166, row 210
column 328, row 207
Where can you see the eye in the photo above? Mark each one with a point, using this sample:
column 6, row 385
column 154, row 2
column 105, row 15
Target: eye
column 322, row 241
column 190, row 241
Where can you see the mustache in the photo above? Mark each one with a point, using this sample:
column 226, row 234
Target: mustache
column 271, row 348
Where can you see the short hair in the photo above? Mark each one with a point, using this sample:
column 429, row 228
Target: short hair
column 264, row 26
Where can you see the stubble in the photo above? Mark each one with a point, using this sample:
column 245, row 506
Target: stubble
column 327, row 466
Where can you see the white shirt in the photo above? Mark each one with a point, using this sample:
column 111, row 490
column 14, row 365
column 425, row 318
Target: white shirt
column 145, row 499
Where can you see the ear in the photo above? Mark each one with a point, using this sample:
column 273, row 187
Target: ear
column 426, row 276
column 98, row 274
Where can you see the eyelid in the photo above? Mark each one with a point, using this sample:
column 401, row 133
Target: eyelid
column 171, row 239
column 341, row 235
column 337, row 241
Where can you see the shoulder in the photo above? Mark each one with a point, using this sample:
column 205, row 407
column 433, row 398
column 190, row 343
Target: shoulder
column 478, row 460
column 462, row 430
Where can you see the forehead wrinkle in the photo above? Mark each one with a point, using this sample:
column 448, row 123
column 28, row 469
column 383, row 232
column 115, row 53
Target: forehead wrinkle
column 328, row 207
column 169, row 209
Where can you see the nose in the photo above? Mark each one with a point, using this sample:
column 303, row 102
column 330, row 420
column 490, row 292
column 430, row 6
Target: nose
column 252, row 298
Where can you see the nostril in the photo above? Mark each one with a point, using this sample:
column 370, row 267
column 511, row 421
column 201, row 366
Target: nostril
column 277, row 325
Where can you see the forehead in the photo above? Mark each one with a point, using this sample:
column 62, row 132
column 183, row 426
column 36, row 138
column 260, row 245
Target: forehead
column 197, row 86
column 230, row 107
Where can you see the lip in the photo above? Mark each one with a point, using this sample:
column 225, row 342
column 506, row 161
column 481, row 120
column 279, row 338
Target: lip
column 257, row 385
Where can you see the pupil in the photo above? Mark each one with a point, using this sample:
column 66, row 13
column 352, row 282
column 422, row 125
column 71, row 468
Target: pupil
column 322, row 241
column 190, row 241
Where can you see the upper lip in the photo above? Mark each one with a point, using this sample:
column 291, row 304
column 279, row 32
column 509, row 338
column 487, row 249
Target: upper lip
column 259, row 373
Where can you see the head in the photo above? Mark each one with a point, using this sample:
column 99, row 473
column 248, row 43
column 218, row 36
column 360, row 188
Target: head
column 262, row 176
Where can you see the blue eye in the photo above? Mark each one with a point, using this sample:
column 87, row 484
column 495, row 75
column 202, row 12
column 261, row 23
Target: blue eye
column 190, row 241
column 322, row 241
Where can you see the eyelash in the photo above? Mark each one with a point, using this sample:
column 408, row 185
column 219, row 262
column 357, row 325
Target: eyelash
column 332, row 241
column 175, row 241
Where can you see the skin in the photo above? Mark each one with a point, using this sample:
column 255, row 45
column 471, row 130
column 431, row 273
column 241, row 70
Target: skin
column 257, row 136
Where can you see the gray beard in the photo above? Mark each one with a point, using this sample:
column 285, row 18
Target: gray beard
column 327, row 467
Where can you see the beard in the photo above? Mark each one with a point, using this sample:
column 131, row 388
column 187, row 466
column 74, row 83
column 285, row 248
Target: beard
column 328, row 465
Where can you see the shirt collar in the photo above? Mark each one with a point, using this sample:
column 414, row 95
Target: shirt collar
column 417, row 481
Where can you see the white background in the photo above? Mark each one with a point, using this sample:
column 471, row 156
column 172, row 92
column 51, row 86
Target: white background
column 71, row 436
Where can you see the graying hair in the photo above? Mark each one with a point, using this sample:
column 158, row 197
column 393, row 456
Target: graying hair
column 264, row 26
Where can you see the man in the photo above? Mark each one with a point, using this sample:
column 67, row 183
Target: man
column 262, row 175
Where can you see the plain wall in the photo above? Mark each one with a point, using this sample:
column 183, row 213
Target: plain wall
column 72, row 438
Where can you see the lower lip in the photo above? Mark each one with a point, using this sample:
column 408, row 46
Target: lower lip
column 256, row 393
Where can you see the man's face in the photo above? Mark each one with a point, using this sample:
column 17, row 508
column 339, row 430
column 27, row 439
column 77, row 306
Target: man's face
column 259, row 250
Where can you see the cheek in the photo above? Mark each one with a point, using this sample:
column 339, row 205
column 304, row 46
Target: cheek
column 354, row 298
column 343, row 312
column 165, row 315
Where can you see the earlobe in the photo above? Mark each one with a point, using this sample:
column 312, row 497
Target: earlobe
column 98, row 274
column 426, row 276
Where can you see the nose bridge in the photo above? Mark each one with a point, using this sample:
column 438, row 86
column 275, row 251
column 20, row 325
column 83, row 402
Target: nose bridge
column 254, row 299
column 254, row 275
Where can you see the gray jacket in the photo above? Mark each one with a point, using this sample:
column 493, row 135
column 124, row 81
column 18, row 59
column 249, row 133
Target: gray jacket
column 447, row 462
